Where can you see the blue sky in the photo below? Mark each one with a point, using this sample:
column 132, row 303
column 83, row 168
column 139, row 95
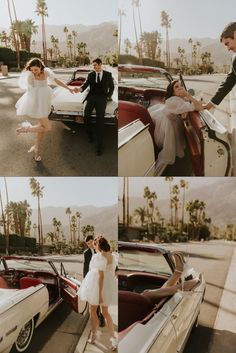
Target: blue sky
column 190, row 18
column 86, row 12
column 65, row 192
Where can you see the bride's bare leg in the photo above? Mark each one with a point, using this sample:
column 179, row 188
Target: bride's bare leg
column 170, row 287
column 108, row 319
column 94, row 319
column 44, row 125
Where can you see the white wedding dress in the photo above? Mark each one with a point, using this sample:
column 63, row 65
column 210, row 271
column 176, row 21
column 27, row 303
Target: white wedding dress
column 89, row 289
column 36, row 101
column 168, row 133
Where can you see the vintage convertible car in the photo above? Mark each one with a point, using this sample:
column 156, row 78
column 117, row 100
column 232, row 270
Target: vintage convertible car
column 147, row 326
column 30, row 289
column 208, row 148
column 69, row 107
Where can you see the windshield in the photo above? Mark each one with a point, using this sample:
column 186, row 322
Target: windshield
column 144, row 79
column 143, row 261
column 21, row 264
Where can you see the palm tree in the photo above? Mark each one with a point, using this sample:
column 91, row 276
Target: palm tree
column 70, row 45
column 33, row 44
column 165, row 22
column 146, row 195
column 191, row 43
column 137, row 3
column 68, row 211
column 141, row 213
column 78, row 216
column 4, row 222
column 136, row 34
column 128, row 46
column 65, row 30
column 198, row 44
column 37, row 191
column 16, row 42
column 184, row 186
column 121, row 12
column 175, row 200
column 74, row 34
column 170, row 179
column 41, row 10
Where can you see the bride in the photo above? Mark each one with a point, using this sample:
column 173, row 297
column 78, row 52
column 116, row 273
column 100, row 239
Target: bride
column 168, row 133
column 36, row 101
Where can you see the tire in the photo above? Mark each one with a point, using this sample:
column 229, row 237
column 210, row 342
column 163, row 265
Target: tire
column 24, row 337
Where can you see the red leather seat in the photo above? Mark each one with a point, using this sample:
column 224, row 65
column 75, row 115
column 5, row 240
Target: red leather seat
column 129, row 111
column 3, row 283
column 132, row 307
column 26, row 282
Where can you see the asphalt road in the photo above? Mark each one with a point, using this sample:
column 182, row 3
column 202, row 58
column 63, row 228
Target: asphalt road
column 63, row 153
column 213, row 259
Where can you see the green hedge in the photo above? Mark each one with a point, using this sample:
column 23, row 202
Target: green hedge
column 8, row 57
column 18, row 242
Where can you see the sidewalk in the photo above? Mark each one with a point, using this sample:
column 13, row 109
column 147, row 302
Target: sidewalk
column 10, row 75
column 102, row 342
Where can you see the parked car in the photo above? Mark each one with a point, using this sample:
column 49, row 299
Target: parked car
column 30, row 289
column 207, row 139
column 150, row 326
column 70, row 107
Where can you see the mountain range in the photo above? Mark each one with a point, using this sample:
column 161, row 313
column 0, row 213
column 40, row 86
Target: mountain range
column 220, row 200
column 104, row 219
column 99, row 38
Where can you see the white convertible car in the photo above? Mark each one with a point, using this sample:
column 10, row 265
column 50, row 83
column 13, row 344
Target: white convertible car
column 160, row 326
column 30, row 289
column 70, row 107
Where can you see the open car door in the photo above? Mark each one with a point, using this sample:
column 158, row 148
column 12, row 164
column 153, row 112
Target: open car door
column 69, row 287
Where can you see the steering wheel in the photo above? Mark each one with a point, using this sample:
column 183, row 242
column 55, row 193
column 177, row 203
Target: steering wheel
column 10, row 274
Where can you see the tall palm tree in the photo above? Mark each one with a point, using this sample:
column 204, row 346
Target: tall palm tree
column 65, row 30
column 175, row 200
column 170, row 179
column 198, row 44
column 70, row 45
column 37, row 191
column 74, row 35
column 166, row 22
column 136, row 33
column 78, row 216
column 41, row 10
column 68, row 211
column 121, row 13
column 137, row 3
column 184, row 186
column 16, row 42
column 191, row 43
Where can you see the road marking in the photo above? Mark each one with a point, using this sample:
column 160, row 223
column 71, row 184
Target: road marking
column 226, row 315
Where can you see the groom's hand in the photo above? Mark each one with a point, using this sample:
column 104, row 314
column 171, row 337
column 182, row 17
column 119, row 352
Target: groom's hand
column 208, row 106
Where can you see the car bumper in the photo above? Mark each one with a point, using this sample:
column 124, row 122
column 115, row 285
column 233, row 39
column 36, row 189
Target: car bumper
column 77, row 117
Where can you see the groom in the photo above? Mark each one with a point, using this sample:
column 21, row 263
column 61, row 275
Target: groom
column 228, row 38
column 101, row 89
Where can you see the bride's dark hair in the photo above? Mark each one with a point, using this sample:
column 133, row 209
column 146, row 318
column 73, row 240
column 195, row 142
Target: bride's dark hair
column 34, row 62
column 103, row 244
column 170, row 89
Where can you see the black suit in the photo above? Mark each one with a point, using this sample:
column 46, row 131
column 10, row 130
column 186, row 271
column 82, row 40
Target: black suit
column 97, row 99
column 227, row 85
column 87, row 258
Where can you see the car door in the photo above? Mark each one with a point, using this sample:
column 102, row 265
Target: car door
column 69, row 287
column 184, row 316
column 157, row 334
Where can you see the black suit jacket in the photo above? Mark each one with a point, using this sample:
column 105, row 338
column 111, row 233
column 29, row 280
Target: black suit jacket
column 227, row 85
column 107, row 83
column 87, row 258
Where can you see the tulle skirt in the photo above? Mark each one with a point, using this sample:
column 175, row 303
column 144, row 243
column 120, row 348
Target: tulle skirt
column 89, row 289
column 35, row 102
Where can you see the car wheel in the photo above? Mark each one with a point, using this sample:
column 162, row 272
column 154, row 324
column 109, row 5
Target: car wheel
column 24, row 337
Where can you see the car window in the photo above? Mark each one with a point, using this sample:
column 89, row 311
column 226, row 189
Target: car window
column 22, row 264
column 144, row 79
column 143, row 261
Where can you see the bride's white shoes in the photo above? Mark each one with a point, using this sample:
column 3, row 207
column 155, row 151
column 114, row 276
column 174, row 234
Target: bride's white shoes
column 114, row 343
column 37, row 157
column 24, row 127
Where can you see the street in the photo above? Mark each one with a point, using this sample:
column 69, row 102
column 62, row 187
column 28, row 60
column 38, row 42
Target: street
column 216, row 332
column 63, row 153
